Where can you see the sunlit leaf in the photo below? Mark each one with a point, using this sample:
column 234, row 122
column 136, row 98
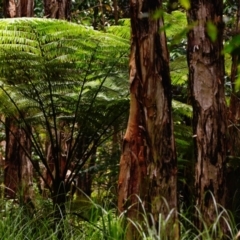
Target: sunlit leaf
column 212, row 31
column 157, row 14
column 237, row 82
column 185, row 4
column 232, row 45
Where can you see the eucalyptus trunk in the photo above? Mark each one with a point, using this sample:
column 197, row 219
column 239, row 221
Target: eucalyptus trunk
column 206, row 76
column 58, row 9
column 21, row 8
column 148, row 165
column 18, row 171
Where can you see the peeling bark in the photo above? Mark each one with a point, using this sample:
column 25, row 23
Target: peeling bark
column 58, row 9
column 148, row 160
column 23, row 8
column 18, row 173
column 206, row 76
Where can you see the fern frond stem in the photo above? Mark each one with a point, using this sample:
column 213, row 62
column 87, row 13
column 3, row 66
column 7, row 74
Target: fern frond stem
column 74, row 148
column 78, row 167
column 56, row 157
column 97, row 142
column 77, row 106
column 47, row 125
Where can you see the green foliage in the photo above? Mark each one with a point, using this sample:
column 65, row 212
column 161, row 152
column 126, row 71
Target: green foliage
column 212, row 31
column 230, row 48
column 121, row 30
column 102, row 224
column 16, row 224
column 46, row 64
column 185, row 4
column 179, row 69
column 175, row 24
column 182, row 109
column 232, row 45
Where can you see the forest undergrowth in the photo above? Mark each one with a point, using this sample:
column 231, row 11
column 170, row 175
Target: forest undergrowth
column 89, row 219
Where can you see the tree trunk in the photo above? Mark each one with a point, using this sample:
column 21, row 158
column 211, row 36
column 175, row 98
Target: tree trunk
column 59, row 9
column 115, row 6
column 206, row 76
column 148, row 162
column 22, row 8
column 18, row 174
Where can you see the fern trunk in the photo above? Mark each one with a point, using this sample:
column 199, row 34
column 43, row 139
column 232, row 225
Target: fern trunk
column 206, row 75
column 148, row 166
column 59, row 200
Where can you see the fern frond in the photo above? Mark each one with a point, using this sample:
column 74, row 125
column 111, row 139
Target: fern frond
column 182, row 108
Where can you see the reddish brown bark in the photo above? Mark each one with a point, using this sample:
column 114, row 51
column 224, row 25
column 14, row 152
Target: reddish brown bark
column 115, row 5
column 59, row 9
column 148, row 162
column 206, row 75
column 23, row 8
column 18, row 173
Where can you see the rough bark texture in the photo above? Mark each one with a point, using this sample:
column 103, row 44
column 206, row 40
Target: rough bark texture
column 21, row 8
column 115, row 6
column 148, row 161
column 59, row 9
column 206, row 75
column 18, row 174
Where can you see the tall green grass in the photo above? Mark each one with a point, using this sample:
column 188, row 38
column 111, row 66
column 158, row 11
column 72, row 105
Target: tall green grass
column 91, row 221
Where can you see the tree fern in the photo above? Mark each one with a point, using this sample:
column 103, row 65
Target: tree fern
column 66, row 79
